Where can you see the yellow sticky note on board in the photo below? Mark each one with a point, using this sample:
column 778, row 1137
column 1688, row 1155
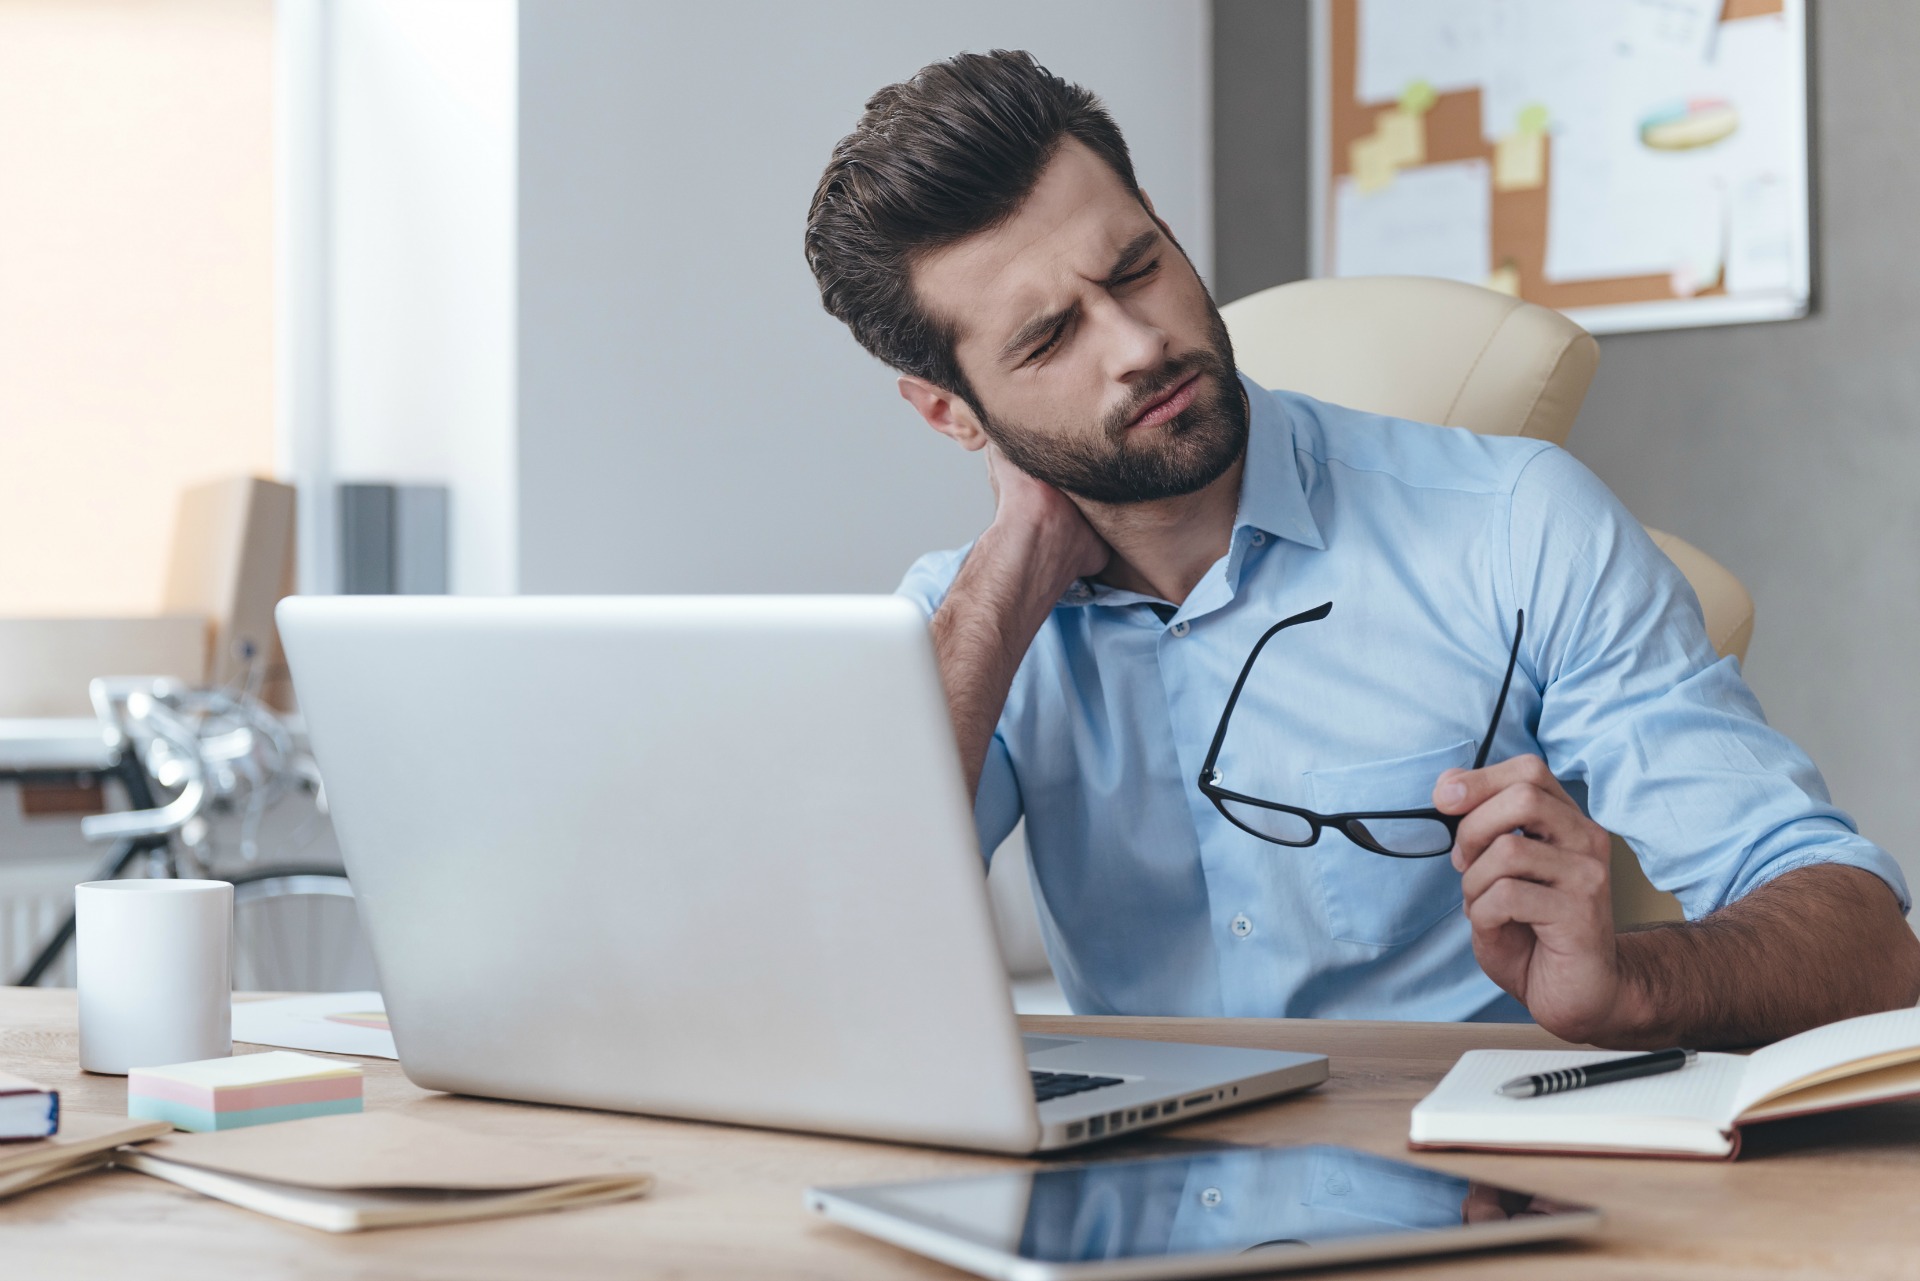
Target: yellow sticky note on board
column 1506, row 280
column 1371, row 164
column 1520, row 161
column 1403, row 135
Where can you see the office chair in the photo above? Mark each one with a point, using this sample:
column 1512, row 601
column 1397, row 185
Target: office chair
column 1438, row 351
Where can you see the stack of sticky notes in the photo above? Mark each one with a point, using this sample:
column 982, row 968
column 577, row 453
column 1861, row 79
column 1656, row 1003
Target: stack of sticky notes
column 248, row 1089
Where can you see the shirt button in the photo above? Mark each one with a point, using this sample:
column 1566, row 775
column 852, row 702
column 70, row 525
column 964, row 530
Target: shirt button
column 1259, row 539
column 1210, row 1197
column 1241, row 926
column 1179, row 628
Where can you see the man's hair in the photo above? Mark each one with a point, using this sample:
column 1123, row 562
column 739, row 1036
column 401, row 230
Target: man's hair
column 950, row 153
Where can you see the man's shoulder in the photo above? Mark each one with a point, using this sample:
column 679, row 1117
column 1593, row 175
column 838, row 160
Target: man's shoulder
column 1419, row 455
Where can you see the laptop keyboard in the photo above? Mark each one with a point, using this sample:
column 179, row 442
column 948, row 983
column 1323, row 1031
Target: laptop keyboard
column 1058, row 1085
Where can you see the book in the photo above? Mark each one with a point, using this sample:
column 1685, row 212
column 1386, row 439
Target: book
column 27, row 1111
column 379, row 1170
column 244, row 1089
column 85, row 1142
column 1698, row 1111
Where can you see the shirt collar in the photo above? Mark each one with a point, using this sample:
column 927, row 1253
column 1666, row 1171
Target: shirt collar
column 1271, row 498
column 1271, row 495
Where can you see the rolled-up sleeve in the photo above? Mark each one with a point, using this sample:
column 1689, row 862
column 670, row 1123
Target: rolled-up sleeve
column 1674, row 750
column 996, row 803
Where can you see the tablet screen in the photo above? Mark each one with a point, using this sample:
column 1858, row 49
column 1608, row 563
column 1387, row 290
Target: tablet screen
column 1218, row 1202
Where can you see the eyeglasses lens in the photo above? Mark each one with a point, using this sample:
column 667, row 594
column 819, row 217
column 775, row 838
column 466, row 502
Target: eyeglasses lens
column 1275, row 825
column 1407, row 836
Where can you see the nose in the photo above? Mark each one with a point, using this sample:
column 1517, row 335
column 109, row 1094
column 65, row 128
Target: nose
column 1135, row 344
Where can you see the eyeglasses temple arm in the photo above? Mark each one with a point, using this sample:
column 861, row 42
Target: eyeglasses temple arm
column 1313, row 615
column 1499, row 704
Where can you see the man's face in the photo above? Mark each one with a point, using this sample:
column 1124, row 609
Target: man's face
column 1098, row 363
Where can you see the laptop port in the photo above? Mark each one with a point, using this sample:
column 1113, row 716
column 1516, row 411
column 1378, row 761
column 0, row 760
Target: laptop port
column 1132, row 1116
column 1148, row 1113
column 1198, row 1099
column 1170, row 1109
column 1097, row 1127
column 1077, row 1129
column 1113, row 1120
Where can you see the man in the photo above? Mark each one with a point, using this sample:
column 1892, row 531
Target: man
column 981, row 231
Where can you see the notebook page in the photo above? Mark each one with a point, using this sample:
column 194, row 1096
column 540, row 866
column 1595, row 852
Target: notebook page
column 1830, row 1051
column 1686, row 1110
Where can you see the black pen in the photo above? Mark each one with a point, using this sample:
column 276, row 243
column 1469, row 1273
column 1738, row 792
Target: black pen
column 1522, row 1087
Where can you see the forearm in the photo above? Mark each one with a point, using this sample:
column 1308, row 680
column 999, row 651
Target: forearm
column 1001, row 596
column 1814, row 945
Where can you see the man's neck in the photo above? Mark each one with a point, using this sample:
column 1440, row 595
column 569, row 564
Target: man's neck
column 1163, row 549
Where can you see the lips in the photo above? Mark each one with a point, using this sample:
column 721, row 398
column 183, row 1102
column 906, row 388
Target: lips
column 1171, row 405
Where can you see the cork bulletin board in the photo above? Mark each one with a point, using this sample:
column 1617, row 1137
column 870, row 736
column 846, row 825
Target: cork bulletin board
column 1638, row 164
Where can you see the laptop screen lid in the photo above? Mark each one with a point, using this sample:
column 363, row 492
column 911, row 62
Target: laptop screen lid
column 695, row 856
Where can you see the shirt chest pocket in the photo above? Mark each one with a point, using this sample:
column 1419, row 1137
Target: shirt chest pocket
column 1371, row 898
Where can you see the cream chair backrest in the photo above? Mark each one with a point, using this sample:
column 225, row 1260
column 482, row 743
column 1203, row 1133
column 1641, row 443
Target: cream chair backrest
column 1439, row 351
column 1434, row 351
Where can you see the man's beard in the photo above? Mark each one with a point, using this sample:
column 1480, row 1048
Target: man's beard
column 1185, row 454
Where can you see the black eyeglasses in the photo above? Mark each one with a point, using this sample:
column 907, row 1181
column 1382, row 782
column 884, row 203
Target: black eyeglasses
column 1425, row 833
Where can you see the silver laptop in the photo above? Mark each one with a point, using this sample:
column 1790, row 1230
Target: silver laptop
column 701, row 857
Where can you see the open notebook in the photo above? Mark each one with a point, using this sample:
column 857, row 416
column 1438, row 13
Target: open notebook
column 1695, row 1112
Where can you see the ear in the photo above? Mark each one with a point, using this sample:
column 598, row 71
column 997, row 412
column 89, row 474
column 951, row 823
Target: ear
column 945, row 412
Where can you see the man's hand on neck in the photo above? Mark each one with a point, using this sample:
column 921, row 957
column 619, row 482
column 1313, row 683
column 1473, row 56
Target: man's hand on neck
column 1037, row 545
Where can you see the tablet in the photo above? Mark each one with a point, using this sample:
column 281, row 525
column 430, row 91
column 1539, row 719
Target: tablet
column 1206, row 1213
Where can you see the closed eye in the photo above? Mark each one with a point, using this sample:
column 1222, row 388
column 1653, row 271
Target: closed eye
column 1060, row 331
column 1053, row 340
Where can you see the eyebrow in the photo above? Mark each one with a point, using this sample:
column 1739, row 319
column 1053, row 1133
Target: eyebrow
column 1125, row 261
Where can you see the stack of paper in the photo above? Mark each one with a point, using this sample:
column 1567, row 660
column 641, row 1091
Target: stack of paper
column 250, row 1089
column 352, row 1023
column 85, row 1142
column 380, row 1169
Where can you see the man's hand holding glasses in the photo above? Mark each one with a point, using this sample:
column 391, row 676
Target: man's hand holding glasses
column 1534, row 875
column 1534, row 867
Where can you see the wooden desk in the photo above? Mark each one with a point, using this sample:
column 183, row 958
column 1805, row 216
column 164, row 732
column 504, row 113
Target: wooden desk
column 1831, row 1196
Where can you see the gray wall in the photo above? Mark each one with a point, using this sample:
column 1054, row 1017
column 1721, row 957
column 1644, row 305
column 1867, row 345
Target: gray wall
column 689, row 418
column 1787, row 451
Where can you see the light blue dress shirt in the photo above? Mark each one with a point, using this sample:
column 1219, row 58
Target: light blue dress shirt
column 1427, row 540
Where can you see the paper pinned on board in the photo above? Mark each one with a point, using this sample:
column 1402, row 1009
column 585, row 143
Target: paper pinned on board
column 1371, row 164
column 1520, row 162
column 1435, row 220
column 1761, row 247
column 1680, row 29
column 325, row 1023
column 1406, row 41
column 1404, row 136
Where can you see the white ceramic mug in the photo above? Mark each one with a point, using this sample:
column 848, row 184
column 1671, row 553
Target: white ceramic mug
column 155, row 986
